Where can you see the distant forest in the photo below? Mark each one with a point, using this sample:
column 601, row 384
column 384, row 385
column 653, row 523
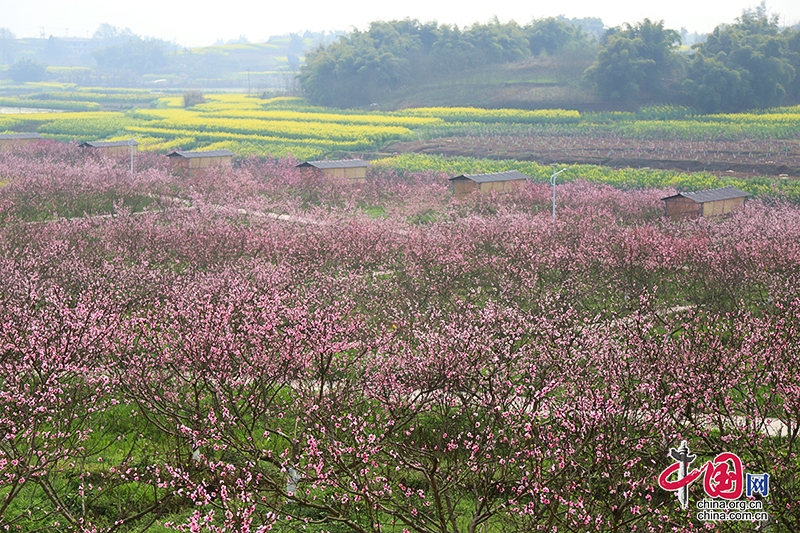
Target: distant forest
column 115, row 56
column 366, row 67
column 750, row 63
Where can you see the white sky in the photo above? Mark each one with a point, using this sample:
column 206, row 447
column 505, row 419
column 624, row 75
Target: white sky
column 202, row 22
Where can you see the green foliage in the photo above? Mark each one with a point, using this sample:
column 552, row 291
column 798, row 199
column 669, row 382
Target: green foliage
column 618, row 69
column 793, row 54
column 744, row 65
column 26, row 70
column 633, row 59
column 366, row 67
column 191, row 98
column 715, row 87
column 497, row 43
column 551, row 35
column 356, row 70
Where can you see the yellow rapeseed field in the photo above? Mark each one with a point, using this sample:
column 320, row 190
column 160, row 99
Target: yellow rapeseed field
column 281, row 125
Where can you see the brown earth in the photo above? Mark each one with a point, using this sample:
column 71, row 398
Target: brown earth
column 745, row 158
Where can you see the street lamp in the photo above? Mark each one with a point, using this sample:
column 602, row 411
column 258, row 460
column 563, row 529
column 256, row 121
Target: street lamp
column 553, row 183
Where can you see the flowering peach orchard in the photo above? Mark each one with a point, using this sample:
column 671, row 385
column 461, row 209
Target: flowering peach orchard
column 251, row 350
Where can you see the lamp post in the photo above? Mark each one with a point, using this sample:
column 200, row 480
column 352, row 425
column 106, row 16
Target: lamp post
column 553, row 183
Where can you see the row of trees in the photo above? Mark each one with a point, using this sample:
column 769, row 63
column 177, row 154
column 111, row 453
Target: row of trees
column 748, row 64
column 752, row 63
column 365, row 66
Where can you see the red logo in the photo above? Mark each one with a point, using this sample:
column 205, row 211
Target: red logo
column 723, row 476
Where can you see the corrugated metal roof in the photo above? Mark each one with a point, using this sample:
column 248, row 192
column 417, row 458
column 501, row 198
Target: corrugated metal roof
column 510, row 175
column 711, row 195
column 209, row 153
column 20, row 136
column 342, row 163
column 108, row 144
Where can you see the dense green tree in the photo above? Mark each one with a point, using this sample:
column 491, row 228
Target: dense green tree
column 550, row 35
column 363, row 67
column 192, row 98
column 498, row 43
column 26, row 70
column 633, row 59
column 356, row 70
column 618, row 70
column 793, row 55
column 749, row 64
column 714, row 87
column 590, row 26
column 451, row 51
column 657, row 45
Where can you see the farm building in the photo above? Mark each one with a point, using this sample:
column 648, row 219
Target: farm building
column 347, row 170
column 709, row 203
column 465, row 184
column 188, row 162
column 111, row 148
column 10, row 140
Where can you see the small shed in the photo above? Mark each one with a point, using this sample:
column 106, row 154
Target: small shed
column 708, row 203
column 8, row 141
column 346, row 170
column 466, row 184
column 111, row 148
column 188, row 162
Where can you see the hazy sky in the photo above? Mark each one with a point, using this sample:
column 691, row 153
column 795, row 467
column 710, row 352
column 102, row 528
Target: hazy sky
column 202, row 22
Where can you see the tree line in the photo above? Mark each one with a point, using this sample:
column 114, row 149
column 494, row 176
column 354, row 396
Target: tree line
column 750, row 63
column 363, row 67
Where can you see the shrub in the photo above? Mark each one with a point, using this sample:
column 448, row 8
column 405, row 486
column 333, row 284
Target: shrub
column 193, row 98
column 26, row 70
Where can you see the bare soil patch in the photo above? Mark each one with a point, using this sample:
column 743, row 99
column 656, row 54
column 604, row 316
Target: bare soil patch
column 743, row 158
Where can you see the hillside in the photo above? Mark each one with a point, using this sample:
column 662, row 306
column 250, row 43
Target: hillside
column 127, row 60
column 534, row 83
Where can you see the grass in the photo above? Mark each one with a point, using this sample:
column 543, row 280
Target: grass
column 374, row 211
